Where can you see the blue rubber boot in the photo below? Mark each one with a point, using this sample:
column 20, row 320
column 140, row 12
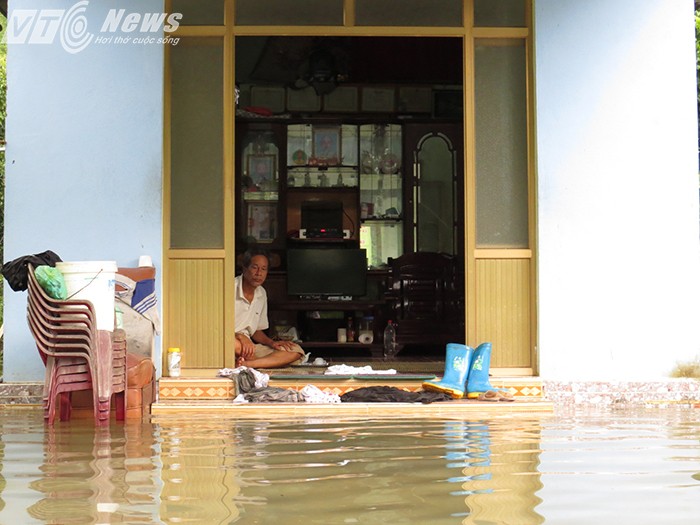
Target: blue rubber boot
column 454, row 379
column 478, row 379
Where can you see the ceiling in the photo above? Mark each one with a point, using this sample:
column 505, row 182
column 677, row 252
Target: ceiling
column 358, row 60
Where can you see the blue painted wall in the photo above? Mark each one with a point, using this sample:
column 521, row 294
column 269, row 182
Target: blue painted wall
column 84, row 158
column 616, row 139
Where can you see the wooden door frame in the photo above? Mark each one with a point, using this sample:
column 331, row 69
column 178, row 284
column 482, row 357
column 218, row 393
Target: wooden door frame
column 229, row 31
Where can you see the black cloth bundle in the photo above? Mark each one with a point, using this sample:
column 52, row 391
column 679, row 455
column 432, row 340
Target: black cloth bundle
column 15, row 271
column 391, row 394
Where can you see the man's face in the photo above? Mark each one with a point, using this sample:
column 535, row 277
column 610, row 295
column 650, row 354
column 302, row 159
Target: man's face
column 256, row 272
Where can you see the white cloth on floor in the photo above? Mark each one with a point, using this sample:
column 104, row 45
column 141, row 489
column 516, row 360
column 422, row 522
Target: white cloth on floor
column 261, row 380
column 313, row 394
column 240, row 398
column 359, row 370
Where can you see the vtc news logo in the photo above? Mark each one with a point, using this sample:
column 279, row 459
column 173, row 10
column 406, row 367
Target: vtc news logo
column 41, row 26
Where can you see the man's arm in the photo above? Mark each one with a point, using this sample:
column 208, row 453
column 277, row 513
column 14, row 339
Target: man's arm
column 244, row 346
column 262, row 338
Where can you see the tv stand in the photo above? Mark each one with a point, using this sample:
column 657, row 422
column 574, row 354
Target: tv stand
column 294, row 309
column 324, row 298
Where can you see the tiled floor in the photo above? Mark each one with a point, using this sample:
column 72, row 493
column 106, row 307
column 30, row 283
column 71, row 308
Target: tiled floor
column 411, row 372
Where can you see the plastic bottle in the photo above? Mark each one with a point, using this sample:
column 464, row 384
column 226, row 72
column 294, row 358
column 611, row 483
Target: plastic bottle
column 174, row 362
column 389, row 341
column 351, row 330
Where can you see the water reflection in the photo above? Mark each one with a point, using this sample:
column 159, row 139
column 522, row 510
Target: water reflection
column 512, row 469
column 86, row 474
column 500, row 479
column 397, row 471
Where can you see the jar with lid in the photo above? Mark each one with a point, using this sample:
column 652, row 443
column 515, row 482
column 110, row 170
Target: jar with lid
column 174, row 362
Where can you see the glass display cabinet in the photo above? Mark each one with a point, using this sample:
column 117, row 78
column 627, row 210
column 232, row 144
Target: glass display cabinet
column 259, row 179
column 381, row 189
column 284, row 165
column 321, row 156
column 322, row 166
column 433, row 207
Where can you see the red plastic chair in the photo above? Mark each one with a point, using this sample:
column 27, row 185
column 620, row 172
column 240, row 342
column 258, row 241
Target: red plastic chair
column 76, row 354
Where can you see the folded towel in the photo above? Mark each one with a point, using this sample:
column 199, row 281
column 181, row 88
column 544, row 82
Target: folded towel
column 357, row 370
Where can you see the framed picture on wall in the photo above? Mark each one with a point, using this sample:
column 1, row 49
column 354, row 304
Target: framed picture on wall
column 262, row 221
column 378, row 99
column 448, row 103
column 326, row 143
column 261, row 169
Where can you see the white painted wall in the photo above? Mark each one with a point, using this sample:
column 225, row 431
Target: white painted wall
column 84, row 158
column 619, row 257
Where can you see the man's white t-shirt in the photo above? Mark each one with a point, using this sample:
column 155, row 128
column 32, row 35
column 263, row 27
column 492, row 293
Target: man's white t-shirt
column 250, row 316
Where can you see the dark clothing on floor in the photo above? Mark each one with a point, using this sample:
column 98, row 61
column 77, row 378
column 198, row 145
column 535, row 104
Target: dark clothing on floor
column 390, row 394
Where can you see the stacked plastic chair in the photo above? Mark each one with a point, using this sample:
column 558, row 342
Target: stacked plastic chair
column 77, row 355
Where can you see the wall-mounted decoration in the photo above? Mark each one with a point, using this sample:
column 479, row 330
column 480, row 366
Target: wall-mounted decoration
column 379, row 99
column 415, row 99
column 326, row 143
column 448, row 103
column 304, row 99
column 262, row 221
column 268, row 97
column 344, row 99
column 261, row 171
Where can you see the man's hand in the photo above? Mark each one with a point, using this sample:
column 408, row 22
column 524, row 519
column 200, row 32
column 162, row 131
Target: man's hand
column 247, row 346
column 283, row 345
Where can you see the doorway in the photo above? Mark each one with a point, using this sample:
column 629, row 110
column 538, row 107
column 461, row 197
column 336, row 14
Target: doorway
column 396, row 113
column 204, row 212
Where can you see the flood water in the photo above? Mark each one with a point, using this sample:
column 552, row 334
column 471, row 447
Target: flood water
column 595, row 467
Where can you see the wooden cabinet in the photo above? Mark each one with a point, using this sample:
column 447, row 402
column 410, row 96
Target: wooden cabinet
column 322, row 166
column 283, row 165
column 426, row 299
column 433, row 188
column 400, row 187
column 260, row 186
column 317, row 321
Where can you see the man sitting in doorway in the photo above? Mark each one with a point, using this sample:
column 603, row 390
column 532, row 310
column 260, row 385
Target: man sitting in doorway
column 253, row 347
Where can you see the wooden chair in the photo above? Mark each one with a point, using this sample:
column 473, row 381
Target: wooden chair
column 426, row 299
column 76, row 354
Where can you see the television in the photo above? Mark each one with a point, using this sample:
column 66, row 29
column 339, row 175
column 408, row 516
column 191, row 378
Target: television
column 324, row 272
column 322, row 215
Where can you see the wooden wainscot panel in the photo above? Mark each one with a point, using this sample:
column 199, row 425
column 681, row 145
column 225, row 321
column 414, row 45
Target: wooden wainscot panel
column 196, row 311
column 503, row 310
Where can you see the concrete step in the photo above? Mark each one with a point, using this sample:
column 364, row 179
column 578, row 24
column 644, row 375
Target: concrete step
column 223, row 389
